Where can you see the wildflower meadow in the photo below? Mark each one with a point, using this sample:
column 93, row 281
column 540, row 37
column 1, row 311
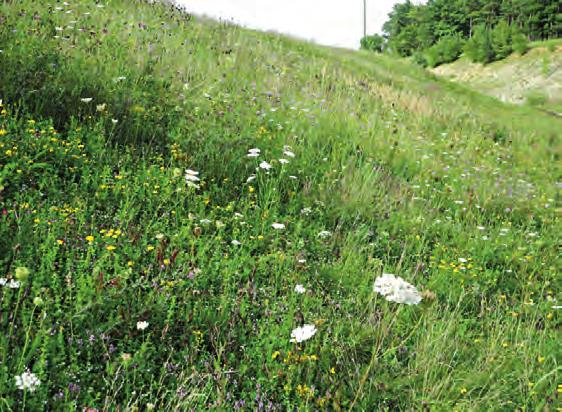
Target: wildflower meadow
column 195, row 216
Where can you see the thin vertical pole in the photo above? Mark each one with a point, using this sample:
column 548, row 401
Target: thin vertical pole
column 364, row 18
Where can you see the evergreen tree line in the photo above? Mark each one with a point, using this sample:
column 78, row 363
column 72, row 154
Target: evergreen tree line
column 485, row 30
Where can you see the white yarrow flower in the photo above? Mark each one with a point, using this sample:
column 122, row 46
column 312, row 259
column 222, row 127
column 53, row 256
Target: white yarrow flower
column 300, row 289
column 324, row 234
column 396, row 289
column 191, row 175
column 142, row 325
column 86, row 99
column 27, row 381
column 283, row 161
column 191, row 178
column 288, row 153
column 235, row 242
column 254, row 152
column 13, row 284
column 278, row 226
column 264, row 165
column 303, row 333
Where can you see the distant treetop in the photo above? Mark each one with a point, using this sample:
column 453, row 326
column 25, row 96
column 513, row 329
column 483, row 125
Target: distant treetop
column 500, row 26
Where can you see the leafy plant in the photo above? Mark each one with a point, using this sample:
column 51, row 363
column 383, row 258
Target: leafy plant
column 373, row 42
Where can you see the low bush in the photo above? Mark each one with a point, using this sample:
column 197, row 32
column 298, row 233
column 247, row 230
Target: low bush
column 446, row 50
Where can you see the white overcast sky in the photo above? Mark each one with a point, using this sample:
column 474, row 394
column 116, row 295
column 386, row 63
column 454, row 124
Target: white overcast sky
column 329, row 22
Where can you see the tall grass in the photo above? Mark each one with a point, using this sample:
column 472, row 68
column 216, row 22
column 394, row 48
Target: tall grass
column 104, row 108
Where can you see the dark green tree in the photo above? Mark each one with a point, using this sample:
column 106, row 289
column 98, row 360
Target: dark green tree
column 446, row 50
column 412, row 29
column 501, row 40
column 520, row 43
column 479, row 47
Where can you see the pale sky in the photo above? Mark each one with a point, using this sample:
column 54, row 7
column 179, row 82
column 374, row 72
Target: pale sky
column 329, row 22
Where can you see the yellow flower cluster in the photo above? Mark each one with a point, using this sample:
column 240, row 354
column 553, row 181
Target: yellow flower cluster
column 305, row 391
column 111, row 233
column 294, row 358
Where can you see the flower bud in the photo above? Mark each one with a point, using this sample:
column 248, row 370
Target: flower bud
column 22, row 273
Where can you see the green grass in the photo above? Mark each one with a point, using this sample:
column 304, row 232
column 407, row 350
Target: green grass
column 410, row 174
column 546, row 43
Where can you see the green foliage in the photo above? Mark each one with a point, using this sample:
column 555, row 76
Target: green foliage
column 404, row 43
column 536, row 99
column 413, row 27
column 520, row 43
column 373, row 42
column 446, row 50
column 376, row 167
column 501, row 38
column 420, row 59
column 479, row 47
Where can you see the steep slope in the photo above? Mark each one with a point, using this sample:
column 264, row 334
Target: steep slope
column 151, row 257
column 534, row 78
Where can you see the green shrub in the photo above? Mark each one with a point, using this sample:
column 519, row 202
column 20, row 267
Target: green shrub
column 374, row 43
column 501, row 40
column 520, row 43
column 479, row 47
column 446, row 50
column 420, row 59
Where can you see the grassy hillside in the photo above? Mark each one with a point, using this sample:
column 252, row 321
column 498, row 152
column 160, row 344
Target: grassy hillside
column 534, row 78
column 129, row 282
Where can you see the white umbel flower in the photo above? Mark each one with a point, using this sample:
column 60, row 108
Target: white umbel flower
column 303, row 333
column 13, row 284
column 265, row 166
column 191, row 177
column 396, row 289
column 300, row 289
column 253, row 152
column 27, row 381
column 278, row 226
column 142, row 325
column 324, row 234
column 288, row 153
